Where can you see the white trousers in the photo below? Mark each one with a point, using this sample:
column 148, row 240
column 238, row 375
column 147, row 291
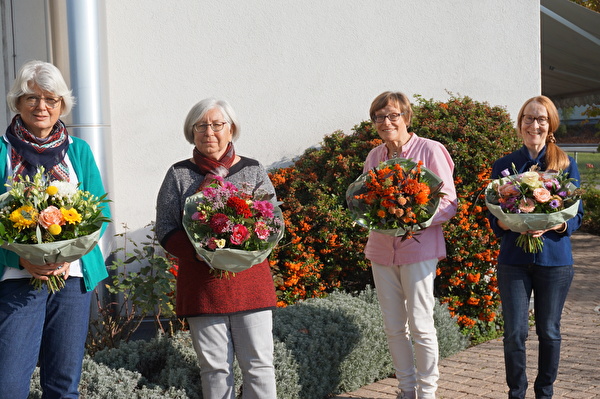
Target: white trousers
column 406, row 298
column 248, row 336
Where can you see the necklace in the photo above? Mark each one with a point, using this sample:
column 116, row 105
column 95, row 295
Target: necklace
column 395, row 153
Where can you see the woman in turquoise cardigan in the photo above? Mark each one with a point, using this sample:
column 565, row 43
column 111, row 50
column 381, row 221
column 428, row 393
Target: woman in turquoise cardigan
column 36, row 325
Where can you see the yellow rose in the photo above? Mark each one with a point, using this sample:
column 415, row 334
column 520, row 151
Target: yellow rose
column 54, row 229
column 220, row 243
column 532, row 179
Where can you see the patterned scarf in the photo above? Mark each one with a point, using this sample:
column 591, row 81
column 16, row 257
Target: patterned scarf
column 211, row 168
column 28, row 153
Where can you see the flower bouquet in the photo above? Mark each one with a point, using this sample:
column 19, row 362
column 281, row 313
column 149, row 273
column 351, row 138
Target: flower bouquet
column 532, row 200
column 49, row 222
column 230, row 228
column 399, row 197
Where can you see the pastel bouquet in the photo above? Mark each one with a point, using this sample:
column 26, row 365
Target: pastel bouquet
column 399, row 197
column 232, row 228
column 47, row 221
column 532, row 200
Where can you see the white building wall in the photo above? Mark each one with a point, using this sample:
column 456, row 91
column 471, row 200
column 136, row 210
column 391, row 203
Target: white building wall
column 293, row 71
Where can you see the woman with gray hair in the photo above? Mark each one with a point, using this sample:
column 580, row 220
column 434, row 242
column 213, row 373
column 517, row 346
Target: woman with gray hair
column 36, row 325
column 227, row 316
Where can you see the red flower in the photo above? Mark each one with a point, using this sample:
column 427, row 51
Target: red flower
column 240, row 206
column 239, row 235
column 219, row 223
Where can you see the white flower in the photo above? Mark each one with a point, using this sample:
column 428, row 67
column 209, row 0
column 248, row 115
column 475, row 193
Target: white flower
column 65, row 188
column 532, row 179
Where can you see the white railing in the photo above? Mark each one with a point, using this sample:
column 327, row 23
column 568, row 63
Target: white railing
column 575, row 148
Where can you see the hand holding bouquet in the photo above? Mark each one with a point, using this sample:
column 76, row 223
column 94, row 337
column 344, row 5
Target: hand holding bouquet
column 398, row 198
column 532, row 200
column 49, row 222
column 232, row 229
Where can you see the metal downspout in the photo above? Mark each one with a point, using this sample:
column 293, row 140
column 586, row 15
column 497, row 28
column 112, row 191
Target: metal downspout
column 79, row 50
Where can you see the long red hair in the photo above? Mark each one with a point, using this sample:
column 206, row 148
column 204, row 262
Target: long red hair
column 556, row 159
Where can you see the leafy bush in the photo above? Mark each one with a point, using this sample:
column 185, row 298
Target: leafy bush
column 164, row 361
column 149, row 292
column 172, row 362
column 99, row 381
column 338, row 342
column 322, row 250
column 322, row 347
column 450, row 338
column 591, row 200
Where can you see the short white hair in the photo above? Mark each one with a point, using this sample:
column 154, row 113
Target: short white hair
column 47, row 77
column 201, row 108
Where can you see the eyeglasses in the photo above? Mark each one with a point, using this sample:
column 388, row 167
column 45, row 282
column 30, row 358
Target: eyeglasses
column 541, row 120
column 392, row 117
column 34, row 101
column 203, row 127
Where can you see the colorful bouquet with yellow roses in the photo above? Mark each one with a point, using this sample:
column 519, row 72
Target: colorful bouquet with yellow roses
column 49, row 222
column 532, row 200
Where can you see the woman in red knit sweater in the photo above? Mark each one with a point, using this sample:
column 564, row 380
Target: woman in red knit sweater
column 227, row 316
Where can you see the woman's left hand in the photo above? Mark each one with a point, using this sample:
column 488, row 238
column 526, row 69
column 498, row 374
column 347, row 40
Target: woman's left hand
column 62, row 268
column 538, row 233
column 49, row 269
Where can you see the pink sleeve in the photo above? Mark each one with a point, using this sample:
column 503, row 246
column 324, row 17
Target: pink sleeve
column 442, row 165
column 374, row 158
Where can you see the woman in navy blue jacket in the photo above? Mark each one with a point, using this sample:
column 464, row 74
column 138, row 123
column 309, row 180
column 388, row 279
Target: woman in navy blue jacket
column 546, row 274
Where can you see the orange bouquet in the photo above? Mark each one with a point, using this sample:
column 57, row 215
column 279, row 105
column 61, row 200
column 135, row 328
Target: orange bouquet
column 399, row 197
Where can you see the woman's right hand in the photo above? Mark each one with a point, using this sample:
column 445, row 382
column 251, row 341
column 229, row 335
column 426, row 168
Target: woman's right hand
column 502, row 225
column 42, row 272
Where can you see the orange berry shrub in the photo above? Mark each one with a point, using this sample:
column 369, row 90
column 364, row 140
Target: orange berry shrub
column 475, row 134
column 322, row 248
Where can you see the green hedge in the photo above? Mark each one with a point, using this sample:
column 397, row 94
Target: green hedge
column 323, row 346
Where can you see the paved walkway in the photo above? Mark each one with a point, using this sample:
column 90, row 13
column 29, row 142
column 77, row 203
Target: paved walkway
column 478, row 372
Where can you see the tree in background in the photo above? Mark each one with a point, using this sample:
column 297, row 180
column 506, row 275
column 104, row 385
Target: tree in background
column 593, row 5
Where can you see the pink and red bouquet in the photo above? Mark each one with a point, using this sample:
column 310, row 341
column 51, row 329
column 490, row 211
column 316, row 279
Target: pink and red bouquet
column 232, row 228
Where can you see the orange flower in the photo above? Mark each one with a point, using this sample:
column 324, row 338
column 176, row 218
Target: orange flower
column 412, row 187
column 51, row 215
column 422, row 198
column 473, row 301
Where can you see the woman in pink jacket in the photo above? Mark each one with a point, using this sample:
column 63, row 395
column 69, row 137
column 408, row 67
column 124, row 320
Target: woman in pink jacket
column 404, row 271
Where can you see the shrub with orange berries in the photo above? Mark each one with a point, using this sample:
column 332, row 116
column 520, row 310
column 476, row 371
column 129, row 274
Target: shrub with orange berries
column 323, row 249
